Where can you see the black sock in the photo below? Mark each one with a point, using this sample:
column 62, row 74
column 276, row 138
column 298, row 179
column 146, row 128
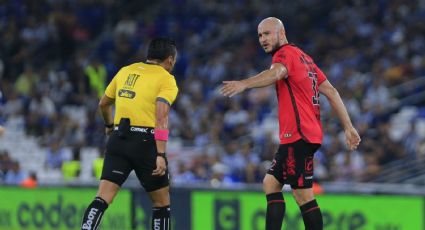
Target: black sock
column 312, row 216
column 93, row 214
column 161, row 218
column 275, row 211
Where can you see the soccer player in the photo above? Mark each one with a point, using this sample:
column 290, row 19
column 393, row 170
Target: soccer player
column 298, row 83
column 142, row 94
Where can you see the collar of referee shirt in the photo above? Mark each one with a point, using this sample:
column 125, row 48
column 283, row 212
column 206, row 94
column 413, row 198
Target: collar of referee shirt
column 152, row 62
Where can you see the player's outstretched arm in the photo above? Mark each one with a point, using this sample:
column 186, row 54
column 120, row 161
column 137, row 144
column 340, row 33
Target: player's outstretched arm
column 265, row 78
column 351, row 135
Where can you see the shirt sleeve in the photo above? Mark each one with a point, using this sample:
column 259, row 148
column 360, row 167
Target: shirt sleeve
column 168, row 91
column 112, row 87
column 321, row 77
column 281, row 57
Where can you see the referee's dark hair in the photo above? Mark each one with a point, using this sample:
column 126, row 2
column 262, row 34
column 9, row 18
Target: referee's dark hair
column 161, row 48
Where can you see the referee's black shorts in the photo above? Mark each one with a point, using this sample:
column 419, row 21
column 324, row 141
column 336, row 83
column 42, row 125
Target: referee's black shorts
column 293, row 164
column 137, row 151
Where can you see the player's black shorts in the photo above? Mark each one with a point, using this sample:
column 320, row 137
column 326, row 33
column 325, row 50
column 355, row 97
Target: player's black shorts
column 293, row 164
column 136, row 151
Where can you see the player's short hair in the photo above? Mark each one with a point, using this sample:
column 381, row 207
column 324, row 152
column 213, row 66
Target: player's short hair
column 161, row 48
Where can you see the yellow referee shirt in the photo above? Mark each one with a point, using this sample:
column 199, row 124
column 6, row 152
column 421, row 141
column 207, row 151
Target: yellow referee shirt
column 136, row 88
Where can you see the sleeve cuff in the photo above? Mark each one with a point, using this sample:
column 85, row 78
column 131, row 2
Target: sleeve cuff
column 163, row 100
column 113, row 96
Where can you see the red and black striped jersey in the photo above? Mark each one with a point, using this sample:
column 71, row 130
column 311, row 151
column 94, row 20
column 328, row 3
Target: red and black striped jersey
column 298, row 96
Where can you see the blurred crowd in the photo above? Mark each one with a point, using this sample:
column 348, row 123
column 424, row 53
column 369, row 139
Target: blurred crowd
column 56, row 57
column 11, row 172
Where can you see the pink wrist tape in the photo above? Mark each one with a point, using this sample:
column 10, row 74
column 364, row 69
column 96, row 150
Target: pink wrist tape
column 161, row 134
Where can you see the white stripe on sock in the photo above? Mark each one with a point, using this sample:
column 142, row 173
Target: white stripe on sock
column 96, row 226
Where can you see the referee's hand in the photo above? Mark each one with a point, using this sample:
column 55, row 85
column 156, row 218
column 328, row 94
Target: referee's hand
column 108, row 130
column 160, row 167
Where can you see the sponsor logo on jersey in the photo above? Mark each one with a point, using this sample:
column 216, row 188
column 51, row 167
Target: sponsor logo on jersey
column 126, row 93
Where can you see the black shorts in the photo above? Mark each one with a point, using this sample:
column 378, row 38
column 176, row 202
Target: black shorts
column 137, row 151
column 293, row 164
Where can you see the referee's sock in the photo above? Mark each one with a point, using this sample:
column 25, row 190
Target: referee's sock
column 312, row 216
column 275, row 211
column 94, row 213
column 161, row 218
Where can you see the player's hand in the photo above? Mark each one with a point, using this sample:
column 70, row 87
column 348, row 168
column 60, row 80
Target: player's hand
column 352, row 138
column 231, row 88
column 2, row 130
column 161, row 166
column 108, row 131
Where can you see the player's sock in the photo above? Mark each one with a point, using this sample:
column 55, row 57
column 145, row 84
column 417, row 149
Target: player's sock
column 275, row 211
column 312, row 216
column 93, row 214
column 161, row 218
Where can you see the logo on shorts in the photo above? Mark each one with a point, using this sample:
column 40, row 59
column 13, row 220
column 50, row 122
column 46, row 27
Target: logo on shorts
column 116, row 171
column 137, row 129
column 89, row 222
column 308, row 177
column 309, row 164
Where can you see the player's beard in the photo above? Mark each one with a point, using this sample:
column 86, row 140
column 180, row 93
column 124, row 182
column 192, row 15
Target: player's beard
column 274, row 48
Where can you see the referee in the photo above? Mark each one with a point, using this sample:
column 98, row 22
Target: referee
column 142, row 94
